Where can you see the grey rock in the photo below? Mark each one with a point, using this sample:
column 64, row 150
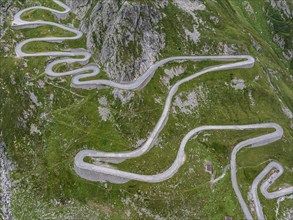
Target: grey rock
column 124, row 37
column 5, row 193
column 5, row 10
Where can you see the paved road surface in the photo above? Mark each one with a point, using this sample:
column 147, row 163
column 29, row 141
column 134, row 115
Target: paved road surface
column 102, row 170
column 266, row 184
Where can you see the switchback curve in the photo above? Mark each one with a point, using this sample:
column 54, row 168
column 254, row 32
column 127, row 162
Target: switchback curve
column 102, row 171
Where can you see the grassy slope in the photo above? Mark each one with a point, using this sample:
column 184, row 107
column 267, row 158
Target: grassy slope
column 71, row 122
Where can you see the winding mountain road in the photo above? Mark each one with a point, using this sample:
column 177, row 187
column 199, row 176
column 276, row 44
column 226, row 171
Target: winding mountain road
column 101, row 170
column 266, row 184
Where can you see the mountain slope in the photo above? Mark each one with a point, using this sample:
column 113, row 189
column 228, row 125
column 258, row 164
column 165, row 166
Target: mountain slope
column 44, row 122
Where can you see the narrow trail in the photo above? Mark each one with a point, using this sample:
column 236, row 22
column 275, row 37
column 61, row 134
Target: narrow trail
column 102, row 170
column 214, row 181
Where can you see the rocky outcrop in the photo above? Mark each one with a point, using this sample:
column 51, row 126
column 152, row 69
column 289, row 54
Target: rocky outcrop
column 5, row 5
column 5, row 195
column 283, row 7
column 123, row 36
column 79, row 7
column 280, row 19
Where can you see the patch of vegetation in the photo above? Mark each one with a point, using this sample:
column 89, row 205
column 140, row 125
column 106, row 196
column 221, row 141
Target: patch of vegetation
column 69, row 121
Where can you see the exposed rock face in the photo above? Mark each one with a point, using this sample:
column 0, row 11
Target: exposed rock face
column 5, row 5
column 125, row 37
column 248, row 7
column 190, row 7
column 238, row 84
column 283, row 6
column 281, row 24
column 79, row 7
column 5, row 192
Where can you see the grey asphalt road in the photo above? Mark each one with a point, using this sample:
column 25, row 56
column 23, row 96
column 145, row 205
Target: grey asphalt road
column 103, row 169
column 266, row 184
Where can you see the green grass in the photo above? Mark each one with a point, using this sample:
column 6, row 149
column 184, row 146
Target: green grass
column 45, row 31
column 41, row 14
column 70, row 122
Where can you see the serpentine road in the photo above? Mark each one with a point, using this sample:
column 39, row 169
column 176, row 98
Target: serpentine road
column 101, row 170
column 266, row 184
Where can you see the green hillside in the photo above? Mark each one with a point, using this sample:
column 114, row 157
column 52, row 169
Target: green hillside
column 45, row 123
